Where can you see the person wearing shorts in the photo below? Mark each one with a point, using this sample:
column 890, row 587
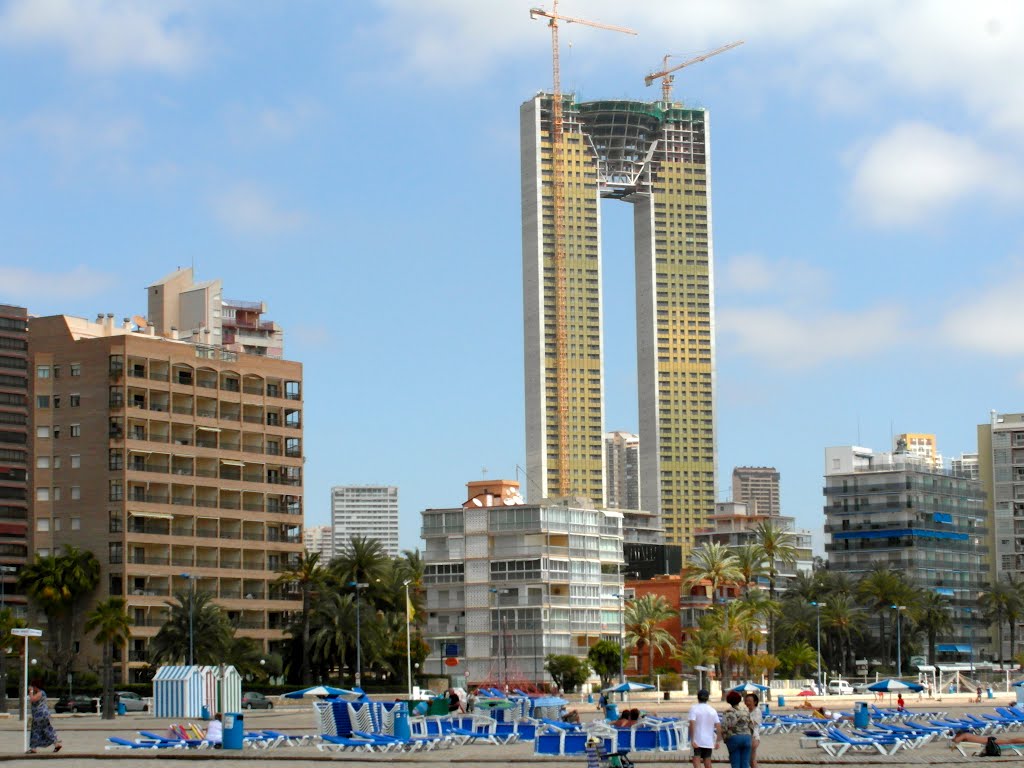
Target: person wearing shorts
column 705, row 730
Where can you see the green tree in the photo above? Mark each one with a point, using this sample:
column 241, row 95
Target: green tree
column 568, row 672
column 110, row 625
column 932, row 617
column 750, row 561
column 605, row 659
column 307, row 574
column 997, row 602
column 778, row 547
column 797, row 659
column 334, row 631
column 882, row 588
column 644, row 615
column 193, row 614
column 843, row 620
column 362, row 560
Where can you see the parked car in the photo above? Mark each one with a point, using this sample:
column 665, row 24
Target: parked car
column 77, row 703
column 132, row 701
column 253, row 700
column 839, row 688
column 861, row 687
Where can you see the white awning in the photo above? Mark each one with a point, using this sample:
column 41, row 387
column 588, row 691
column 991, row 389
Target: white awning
column 232, row 462
column 612, row 514
column 136, row 450
column 209, row 429
column 154, row 515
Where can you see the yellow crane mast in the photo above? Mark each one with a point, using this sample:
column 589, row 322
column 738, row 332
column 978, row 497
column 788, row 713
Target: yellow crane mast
column 666, row 71
column 558, row 199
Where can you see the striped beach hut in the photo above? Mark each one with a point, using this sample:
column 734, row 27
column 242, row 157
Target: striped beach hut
column 222, row 688
column 178, row 692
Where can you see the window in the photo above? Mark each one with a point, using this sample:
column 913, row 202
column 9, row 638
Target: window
column 116, row 553
column 76, row 492
column 115, row 459
column 75, row 400
column 76, row 523
column 76, row 369
column 116, row 491
column 42, row 432
column 56, row 493
column 43, row 524
column 42, row 494
column 56, row 432
column 56, row 371
column 76, row 430
column 42, row 401
column 56, row 401
column 76, row 461
column 42, row 462
column 42, row 371
column 116, row 524
column 56, row 462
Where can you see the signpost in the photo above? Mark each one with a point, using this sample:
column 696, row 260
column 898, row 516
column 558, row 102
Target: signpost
column 26, row 633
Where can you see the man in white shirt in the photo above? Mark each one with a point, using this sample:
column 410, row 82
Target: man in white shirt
column 215, row 731
column 705, row 730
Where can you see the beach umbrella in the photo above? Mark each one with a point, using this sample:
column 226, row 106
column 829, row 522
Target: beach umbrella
column 628, row 687
column 750, row 688
column 323, row 690
column 892, row 685
column 1018, row 684
column 807, row 692
column 549, row 701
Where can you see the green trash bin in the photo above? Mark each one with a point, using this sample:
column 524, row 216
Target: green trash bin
column 438, row 706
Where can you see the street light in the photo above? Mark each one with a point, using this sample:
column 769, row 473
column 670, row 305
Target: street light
column 817, row 609
column 503, row 630
column 970, row 630
column 899, row 639
column 359, row 647
column 191, row 616
column 4, row 570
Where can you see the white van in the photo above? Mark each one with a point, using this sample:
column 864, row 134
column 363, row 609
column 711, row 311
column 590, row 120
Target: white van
column 840, row 688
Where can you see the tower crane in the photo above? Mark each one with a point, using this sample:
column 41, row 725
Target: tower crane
column 666, row 71
column 558, row 198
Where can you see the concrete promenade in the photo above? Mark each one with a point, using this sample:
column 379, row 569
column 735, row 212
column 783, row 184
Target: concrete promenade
column 84, row 738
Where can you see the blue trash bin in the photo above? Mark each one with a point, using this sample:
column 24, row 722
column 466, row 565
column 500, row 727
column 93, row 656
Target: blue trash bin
column 205, row 713
column 611, row 711
column 782, row 701
column 402, row 728
column 234, row 730
column 861, row 718
column 121, row 708
column 989, row 691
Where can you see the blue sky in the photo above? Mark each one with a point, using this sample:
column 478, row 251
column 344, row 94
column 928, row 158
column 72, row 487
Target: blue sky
column 355, row 165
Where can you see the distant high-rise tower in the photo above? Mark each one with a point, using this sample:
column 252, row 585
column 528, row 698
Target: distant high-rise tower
column 16, row 376
column 319, row 538
column 921, row 445
column 758, row 488
column 965, row 466
column 369, row 511
column 656, row 157
column 622, row 481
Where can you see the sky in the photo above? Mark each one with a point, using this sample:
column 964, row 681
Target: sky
column 355, row 166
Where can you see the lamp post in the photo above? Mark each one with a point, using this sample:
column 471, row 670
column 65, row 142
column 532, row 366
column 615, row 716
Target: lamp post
column 408, row 640
column 359, row 645
column 502, row 629
column 4, row 570
column 817, row 610
column 970, row 636
column 191, row 616
column 899, row 639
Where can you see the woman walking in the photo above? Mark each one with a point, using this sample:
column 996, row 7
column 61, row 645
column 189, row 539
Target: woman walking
column 42, row 734
column 737, row 730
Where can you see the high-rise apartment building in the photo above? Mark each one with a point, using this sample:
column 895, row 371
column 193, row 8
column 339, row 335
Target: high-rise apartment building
column 896, row 509
column 14, row 466
column 182, row 308
column 918, row 444
column 965, row 465
column 319, row 538
column 368, row 511
column 757, row 488
column 179, row 465
column 622, row 465
column 656, row 157
column 509, row 583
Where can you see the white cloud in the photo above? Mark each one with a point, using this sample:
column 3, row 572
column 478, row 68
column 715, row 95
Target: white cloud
column 72, row 134
column 23, row 286
column 753, row 274
column 248, row 210
column 785, row 340
column 917, row 171
column 278, row 123
column 103, row 35
column 990, row 322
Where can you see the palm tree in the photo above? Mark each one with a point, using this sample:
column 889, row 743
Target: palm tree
column 882, row 588
column 997, row 602
column 713, row 563
column 194, row 616
column 843, row 620
column 797, row 658
column 642, row 620
column 720, row 631
column 110, row 623
column 363, row 560
column 750, row 561
column 308, row 574
column 779, row 548
column 333, row 631
column 932, row 617
column 1014, row 609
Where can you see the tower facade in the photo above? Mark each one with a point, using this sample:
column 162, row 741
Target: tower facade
column 656, row 157
column 758, row 488
column 622, row 480
column 367, row 511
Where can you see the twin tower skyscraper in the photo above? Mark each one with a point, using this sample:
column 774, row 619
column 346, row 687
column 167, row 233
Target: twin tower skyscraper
column 656, row 157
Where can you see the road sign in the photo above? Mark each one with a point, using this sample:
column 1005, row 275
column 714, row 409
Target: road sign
column 26, row 632
column 451, row 649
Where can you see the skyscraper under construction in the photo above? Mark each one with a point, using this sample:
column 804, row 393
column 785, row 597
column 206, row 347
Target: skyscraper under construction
column 655, row 156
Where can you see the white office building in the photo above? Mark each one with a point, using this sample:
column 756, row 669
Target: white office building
column 368, row 511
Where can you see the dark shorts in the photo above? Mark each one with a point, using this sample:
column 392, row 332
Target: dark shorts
column 703, row 752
